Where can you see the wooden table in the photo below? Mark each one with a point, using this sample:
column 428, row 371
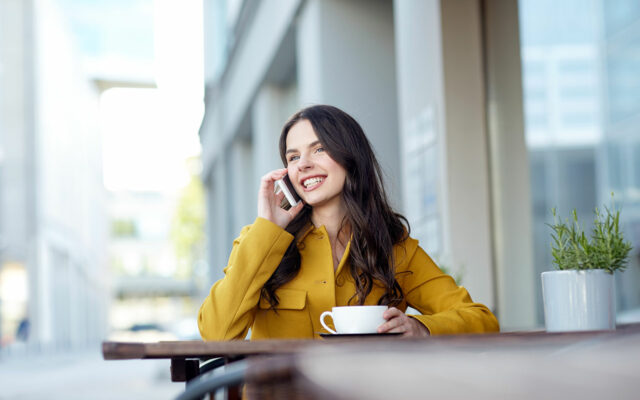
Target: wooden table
column 186, row 355
column 589, row 365
column 509, row 365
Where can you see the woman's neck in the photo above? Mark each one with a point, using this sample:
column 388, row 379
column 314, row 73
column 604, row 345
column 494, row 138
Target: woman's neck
column 332, row 219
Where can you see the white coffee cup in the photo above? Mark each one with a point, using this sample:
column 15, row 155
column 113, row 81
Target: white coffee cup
column 355, row 319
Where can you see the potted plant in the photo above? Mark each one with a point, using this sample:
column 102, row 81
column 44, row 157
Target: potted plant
column 580, row 294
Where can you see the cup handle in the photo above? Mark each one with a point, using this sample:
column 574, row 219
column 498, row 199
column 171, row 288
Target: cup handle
column 322, row 316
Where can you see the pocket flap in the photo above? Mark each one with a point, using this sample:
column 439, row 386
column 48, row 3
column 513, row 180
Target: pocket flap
column 289, row 299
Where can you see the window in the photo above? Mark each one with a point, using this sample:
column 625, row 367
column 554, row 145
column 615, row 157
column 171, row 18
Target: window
column 581, row 86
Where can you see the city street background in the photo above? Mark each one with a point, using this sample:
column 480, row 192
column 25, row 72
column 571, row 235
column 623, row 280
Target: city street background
column 101, row 204
column 85, row 375
column 133, row 135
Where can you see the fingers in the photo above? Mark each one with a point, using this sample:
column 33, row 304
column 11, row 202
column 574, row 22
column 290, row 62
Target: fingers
column 267, row 181
column 274, row 175
column 391, row 312
column 293, row 211
column 393, row 325
column 396, row 321
column 268, row 202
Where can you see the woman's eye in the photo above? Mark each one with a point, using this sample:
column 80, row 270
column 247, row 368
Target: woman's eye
column 319, row 149
column 293, row 158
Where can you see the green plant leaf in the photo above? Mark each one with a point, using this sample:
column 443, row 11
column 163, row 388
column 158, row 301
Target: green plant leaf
column 605, row 248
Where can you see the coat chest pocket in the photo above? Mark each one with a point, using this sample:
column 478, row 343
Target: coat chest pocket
column 289, row 299
column 290, row 319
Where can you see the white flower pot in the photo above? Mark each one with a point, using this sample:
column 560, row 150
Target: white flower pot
column 578, row 300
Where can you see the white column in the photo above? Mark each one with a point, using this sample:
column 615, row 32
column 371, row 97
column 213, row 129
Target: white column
column 442, row 117
column 466, row 154
column 41, row 307
column 346, row 53
column 267, row 120
column 511, row 193
column 241, row 187
column 220, row 238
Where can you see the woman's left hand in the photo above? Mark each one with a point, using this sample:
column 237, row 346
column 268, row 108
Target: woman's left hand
column 397, row 321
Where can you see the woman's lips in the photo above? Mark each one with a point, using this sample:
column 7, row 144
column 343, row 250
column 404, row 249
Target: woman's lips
column 312, row 182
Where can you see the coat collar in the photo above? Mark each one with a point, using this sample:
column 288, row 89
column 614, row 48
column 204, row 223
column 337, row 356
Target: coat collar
column 321, row 232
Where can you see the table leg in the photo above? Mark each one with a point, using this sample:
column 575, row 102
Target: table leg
column 183, row 369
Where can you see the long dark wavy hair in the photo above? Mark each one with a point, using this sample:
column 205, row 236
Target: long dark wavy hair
column 371, row 257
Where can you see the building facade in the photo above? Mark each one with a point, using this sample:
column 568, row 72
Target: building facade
column 454, row 101
column 52, row 202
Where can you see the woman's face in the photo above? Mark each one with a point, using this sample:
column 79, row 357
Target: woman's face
column 317, row 178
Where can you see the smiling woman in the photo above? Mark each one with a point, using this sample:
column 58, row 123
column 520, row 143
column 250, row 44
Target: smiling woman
column 314, row 174
column 341, row 245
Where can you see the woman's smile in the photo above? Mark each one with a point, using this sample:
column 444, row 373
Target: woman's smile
column 312, row 183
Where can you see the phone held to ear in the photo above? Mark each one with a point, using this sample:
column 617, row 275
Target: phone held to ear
column 291, row 198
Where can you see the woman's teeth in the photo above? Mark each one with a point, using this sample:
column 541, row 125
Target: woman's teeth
column 312, row 181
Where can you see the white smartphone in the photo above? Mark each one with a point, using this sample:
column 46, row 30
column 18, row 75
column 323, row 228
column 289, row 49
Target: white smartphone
column 291, row 198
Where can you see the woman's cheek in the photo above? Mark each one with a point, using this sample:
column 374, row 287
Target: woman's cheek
column 292, row 176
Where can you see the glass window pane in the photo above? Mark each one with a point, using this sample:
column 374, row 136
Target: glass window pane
column 581, row 85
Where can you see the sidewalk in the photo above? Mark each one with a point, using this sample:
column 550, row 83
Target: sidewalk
column 85, row 376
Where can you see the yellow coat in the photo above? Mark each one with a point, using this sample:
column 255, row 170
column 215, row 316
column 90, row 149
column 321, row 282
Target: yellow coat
column 234, row 305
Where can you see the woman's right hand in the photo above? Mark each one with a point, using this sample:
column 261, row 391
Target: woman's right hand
column 269, row 202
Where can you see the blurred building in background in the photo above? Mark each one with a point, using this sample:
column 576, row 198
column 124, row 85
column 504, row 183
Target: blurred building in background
column 154, row 284
column 484, row 115
column 101, row 213
column 53, row 286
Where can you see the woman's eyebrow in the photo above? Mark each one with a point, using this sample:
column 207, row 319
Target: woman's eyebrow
column 312, row 144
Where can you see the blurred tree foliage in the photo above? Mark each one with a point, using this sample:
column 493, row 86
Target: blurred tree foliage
column 123, row 228
column 188, row 224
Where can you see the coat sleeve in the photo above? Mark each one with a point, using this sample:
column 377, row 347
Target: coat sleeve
column 228, row 311
column 445, row 307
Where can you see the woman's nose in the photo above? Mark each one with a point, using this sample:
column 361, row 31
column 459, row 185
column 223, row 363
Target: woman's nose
column 304, row 163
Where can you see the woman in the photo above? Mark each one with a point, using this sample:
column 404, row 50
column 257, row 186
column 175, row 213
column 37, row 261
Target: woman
column 341, row 245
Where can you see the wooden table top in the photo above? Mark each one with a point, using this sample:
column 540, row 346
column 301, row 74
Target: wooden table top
column 201, row 349
column 522, row 365
column 586, row 365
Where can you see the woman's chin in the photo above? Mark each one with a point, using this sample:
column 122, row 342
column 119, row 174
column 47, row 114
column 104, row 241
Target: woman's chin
column 313, row 201
column 321, row 202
